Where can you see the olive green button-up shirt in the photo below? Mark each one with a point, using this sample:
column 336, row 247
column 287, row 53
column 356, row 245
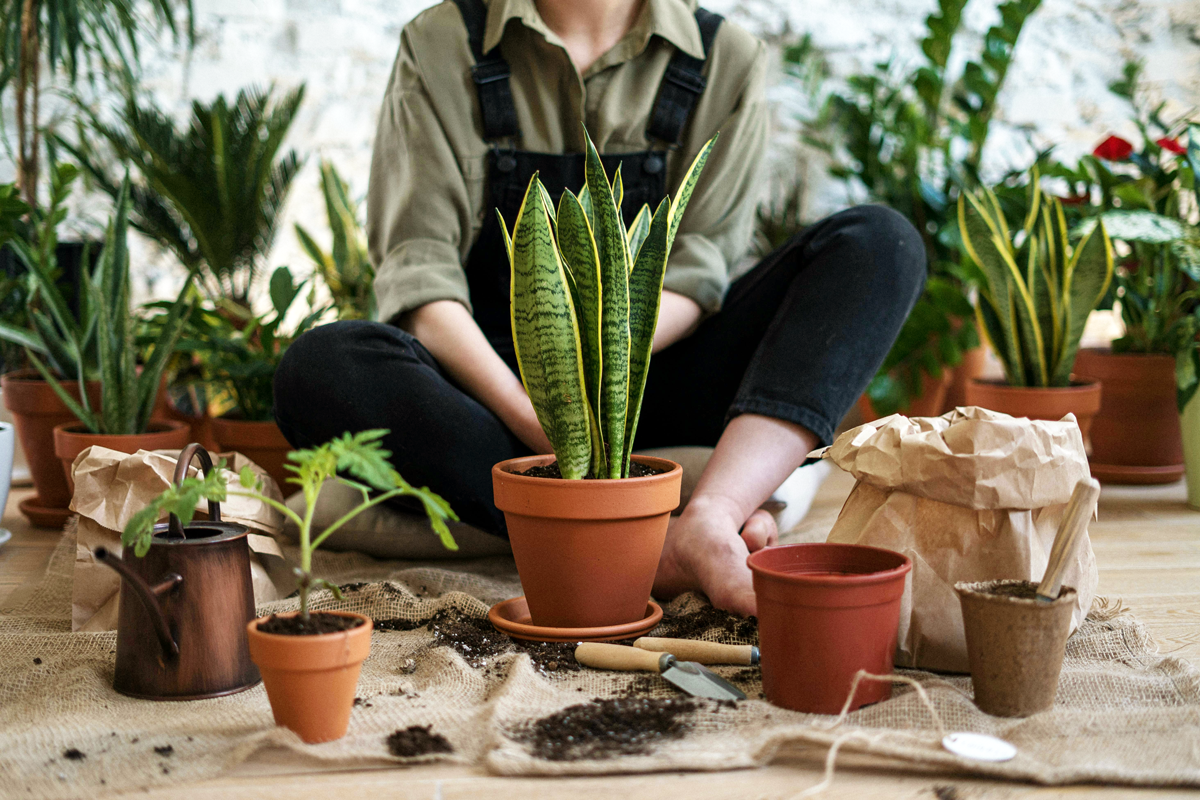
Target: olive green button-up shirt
column 426, row 201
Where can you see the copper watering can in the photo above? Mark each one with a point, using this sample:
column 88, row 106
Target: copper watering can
column 181, row 629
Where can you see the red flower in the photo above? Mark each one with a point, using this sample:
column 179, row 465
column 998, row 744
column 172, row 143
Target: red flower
column 1171, row 144
column 1074, row 199
column 1114, row 148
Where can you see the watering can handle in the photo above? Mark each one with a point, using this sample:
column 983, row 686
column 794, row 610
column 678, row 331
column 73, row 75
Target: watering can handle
column 185, row 459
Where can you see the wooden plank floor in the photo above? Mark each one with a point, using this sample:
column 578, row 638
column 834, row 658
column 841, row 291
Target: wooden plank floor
column 1147, row 544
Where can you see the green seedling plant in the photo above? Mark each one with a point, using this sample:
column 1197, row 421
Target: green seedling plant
column 585, row 298
column 358, row 455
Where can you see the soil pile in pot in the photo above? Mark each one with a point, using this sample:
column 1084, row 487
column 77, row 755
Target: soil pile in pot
column 417, row 740
column 607, row 728
column 316, row 624
column 550, row 470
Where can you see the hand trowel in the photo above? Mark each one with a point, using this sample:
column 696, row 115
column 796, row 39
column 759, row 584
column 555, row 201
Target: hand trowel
column 689, row 676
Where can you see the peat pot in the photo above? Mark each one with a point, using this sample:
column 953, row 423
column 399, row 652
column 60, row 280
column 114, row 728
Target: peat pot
column 184, row 607
column 586, row 550
column 825, row 611
column 261, row 442
column 1135, row 436
column 1015, row 644
column 71, row 439
column 1082, row 399
column 36, row 410
column 311, row 680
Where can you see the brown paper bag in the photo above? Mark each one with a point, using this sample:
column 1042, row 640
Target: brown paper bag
column 110, row 487
column 973, row 495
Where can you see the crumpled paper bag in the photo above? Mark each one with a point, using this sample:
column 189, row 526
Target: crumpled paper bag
column 972, row 495
column 111, row 486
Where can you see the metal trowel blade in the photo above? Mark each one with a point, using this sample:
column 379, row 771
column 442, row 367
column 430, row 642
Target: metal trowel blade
column 699, row 681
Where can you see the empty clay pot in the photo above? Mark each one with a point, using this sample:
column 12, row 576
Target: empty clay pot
column 1015, row 644
column 71, row 439
column 825, row 611
column 586, row 550
column 1038, row 402
column 261, row 442
column 311, row 680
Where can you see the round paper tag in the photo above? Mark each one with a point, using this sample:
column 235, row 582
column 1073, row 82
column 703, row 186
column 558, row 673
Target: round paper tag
column 979, row 747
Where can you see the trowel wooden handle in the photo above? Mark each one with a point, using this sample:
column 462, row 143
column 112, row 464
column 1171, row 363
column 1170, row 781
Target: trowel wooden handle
column 617, row 656
column 1074, row 522
column 701, row 652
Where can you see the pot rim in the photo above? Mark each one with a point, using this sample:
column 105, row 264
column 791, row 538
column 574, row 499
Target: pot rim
column 1107, row 352
column 162, row 425
column 975, row 591
column 367, row 627
column 1078, row 386
column 229, row 532
column 499, row 471
column 811, row 579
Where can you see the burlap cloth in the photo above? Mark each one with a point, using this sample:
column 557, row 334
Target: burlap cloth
column 1124, row 713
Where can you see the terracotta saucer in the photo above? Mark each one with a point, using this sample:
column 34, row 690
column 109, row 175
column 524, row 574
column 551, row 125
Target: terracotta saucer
column 1136, row 476
column 512, row 617
column 44, row 517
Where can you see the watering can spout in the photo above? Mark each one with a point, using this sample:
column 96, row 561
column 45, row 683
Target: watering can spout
column 147, row 594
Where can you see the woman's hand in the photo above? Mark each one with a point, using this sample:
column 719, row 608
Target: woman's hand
column 451, row 335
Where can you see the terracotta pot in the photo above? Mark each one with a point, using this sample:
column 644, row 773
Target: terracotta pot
column 1082, row 399
column 586, row 550
column 202, row 431
column 71, row 439
column 1015, row 646
column 973, row 365
column 1189, row 421
column 311, row 680
column 1135, row 436
column 825, row 611
column 261, row 442
column 36, row 410
column 929, row 404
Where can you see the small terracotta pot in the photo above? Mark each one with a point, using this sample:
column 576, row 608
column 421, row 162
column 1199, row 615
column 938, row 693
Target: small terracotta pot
column 929, row 404
column 825, row 611
column 36, row 410
column 1039, row 402
column 71, row 439
column 261, row 442
column 1135, row 436
column 973, row 364
column 587, row 550
column 311, row 680
column 1189, row 421
column 1015, row 646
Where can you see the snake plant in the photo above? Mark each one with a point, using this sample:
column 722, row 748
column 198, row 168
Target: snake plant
column 585, row 299
column 1038, row 288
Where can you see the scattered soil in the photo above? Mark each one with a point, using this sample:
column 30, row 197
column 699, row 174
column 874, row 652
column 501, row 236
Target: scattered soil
column 317, row 624
column 165, row 750
column 606, row 728
column 37, row 661
column 747, row 675
column 1021, row 591
column 636, row 470
column 696, row 624
column 74, row 755
column 417, row 741
column 642, row 685
column 945, row 793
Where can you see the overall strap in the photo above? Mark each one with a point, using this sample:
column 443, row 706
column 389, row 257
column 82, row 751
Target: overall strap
column 490, row 74
column 682, row 85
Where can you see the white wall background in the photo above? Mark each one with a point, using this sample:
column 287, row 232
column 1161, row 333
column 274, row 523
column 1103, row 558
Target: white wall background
column 343, row 50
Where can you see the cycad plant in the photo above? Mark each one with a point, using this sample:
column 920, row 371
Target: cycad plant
column 585, row 300
column 1038, row 287
column 346, row 267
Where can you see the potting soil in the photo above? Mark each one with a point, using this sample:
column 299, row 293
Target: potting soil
column 440, row 684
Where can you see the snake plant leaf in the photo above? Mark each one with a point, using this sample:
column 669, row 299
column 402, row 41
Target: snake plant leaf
column 504, row 233
column 686, row 187
column 585, row 200
column 613, row 251
column 578, row 248
column 548, row 202
column 637, row 233
column 618, row 190
column 977, row 235
column 546, row 336
column 645, row 299
column 1086, row 279
column 1047, row 255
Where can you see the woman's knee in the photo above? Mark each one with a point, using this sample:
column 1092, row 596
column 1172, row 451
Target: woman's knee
column 893, row 251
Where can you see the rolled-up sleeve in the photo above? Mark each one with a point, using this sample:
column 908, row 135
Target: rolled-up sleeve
column 417, row 203
column 717, row 226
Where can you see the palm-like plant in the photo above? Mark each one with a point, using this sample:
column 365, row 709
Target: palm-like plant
column 585, row 300
column 212, row 193
column 346, row 267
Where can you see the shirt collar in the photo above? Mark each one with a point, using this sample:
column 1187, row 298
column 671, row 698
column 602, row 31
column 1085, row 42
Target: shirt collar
column 673, row 20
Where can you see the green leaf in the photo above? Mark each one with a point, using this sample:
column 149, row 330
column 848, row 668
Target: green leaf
column 1087, row 276
column 637, row 232
column 283, row 290
column 690, row 179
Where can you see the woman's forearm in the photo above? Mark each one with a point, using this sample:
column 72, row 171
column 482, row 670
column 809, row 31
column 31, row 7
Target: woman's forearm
column 678, row 317
column 449, row 332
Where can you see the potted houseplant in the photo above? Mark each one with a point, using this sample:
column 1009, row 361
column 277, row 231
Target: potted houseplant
column 346, row 267
column 128, row 390
column 1187, row 364
column 309, row 660
column 1035, row 295
column 585, row 300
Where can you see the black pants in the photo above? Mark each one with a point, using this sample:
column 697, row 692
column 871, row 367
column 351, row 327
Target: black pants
column 798, row 339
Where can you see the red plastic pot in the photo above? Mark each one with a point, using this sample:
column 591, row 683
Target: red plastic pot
column 587, row 550
column 825, row 611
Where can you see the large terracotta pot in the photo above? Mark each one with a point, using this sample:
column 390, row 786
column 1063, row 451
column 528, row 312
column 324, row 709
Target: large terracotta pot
column 311, row 680
column 1135, row 436
column 587, row 550
column 1037, row 402
column 825, row 611
column 1189, row 421
column 36, row 410
column 71, row 439
column 929, row 404
column 261, row 442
